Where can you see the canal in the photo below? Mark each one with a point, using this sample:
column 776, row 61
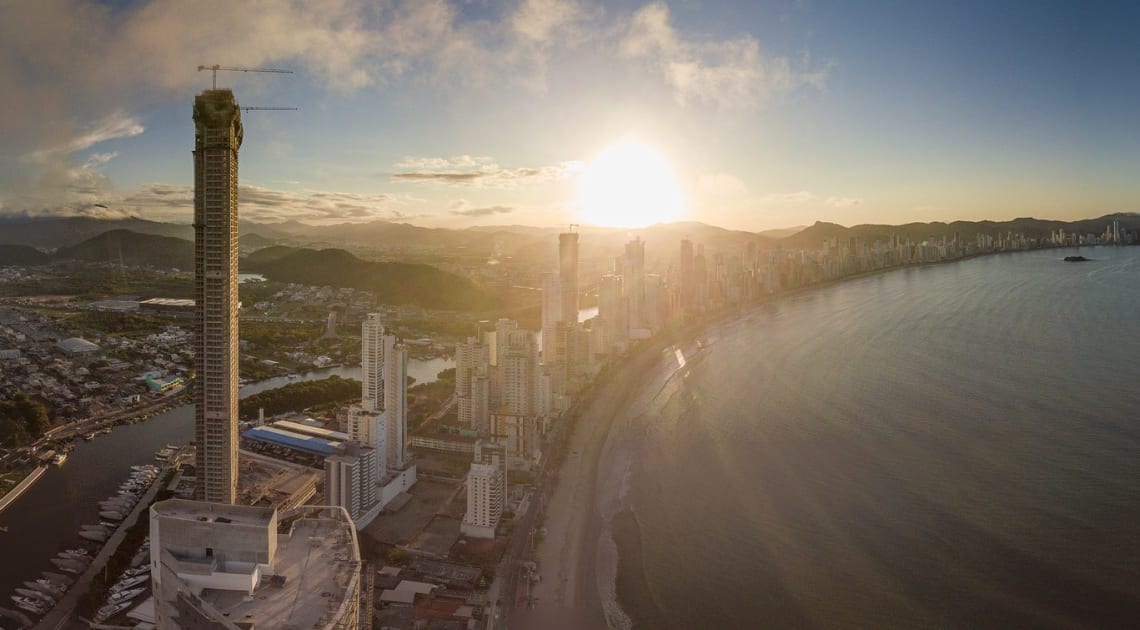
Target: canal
column 46, row 519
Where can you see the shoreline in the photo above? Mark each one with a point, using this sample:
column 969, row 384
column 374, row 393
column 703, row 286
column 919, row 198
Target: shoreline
column 570, row 594
column 19, row 489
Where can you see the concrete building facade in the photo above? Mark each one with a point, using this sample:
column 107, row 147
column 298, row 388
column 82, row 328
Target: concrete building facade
column 227, row 567
column 217, row 138
column 486, row 491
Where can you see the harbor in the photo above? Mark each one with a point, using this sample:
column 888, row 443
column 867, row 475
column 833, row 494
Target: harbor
column 46, row 517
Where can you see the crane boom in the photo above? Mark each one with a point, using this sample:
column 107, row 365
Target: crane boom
column 276, row 109
column 215, row 68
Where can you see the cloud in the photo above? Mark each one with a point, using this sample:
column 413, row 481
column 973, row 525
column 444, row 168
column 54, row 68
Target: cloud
column 728, row 74
column 476, row 172
column 483, row 212
column 257, row 203
column 805, row 197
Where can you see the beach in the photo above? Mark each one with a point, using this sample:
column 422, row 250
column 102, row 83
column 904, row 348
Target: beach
column 577, row 557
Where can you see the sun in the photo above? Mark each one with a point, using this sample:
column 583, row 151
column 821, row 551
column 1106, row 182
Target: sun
column 629, row 184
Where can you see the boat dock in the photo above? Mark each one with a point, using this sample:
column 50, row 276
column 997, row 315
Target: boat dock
column 21, row 487
column 59, row 616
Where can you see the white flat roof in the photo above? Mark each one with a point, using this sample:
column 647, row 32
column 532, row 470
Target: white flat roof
column 320, row 563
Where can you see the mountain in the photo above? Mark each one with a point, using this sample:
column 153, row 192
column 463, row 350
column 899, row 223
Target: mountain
column 813, row 236
column 53, row 233
column 394, row 283
column 22, row 255
column 132, row 248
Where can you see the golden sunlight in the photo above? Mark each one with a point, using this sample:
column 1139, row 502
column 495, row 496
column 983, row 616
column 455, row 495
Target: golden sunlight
column 629, row 185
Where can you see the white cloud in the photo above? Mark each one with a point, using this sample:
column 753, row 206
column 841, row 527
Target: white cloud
column 476, row 172
column 257, row 203
column 804, row 197
column 727, row 74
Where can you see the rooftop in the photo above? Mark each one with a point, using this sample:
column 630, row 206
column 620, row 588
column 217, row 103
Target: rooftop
column 213, row 512
column 298, row 441
column 315, row 582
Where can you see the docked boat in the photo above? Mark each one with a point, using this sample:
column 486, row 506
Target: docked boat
column 59, row 458
column 37, row 595
column 89, row 436
column 46, row 586
column 125, row 595
column 110, row 610
column 112, row 515
column 98, row 535
column 139, row 570
column 58, row 578
column 30, row 604
column 126, row 583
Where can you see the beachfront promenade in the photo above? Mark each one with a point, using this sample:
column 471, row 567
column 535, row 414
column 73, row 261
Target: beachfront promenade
column 62, row 615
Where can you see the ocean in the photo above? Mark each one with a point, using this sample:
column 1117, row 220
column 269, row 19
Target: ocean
column 950, row 446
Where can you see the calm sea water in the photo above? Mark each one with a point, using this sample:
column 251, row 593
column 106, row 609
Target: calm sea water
column 955, row 446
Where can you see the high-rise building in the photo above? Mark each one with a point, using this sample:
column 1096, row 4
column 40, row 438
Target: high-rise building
column 350, row 479
column 611, row 311
column 686, row 273
column 472, row 389
column 551, row 315
column 369, row 428
column 519, row 372
column 373, row 344
column 634, row 279
column 568, row 275
column 217, row 138
column 396, row 402
column 486, row 491
column 227, row 566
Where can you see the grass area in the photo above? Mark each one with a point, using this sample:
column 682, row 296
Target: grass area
column 91, row 281
column 86, row 323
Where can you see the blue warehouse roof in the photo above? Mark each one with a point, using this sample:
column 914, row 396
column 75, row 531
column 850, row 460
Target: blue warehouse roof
column 289, row 439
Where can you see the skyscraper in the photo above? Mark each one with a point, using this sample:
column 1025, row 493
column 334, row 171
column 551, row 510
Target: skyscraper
column 372, row 346
column 471, row 383
column 551, row 315
column 396, row 401
column 634, row 279
column 568, row 275
column 686, row 273
column 217, row 138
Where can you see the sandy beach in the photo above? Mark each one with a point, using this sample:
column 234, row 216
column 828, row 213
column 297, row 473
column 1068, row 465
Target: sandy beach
column 577, row 558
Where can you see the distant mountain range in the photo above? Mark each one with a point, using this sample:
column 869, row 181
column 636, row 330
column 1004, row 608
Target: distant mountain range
column 31, row 241
column 397, row 283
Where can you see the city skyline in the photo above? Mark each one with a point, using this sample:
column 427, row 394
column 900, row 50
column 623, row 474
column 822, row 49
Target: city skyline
column 760, row 115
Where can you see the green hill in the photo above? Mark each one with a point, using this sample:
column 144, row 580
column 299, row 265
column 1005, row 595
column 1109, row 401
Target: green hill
column 22, row 255
column 394, row 283
column 132, row 248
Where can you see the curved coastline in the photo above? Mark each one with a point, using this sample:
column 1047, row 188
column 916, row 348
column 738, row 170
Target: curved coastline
column 568, row 557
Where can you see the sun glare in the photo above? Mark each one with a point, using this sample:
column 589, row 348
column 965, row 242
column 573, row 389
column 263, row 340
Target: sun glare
column 629, row 185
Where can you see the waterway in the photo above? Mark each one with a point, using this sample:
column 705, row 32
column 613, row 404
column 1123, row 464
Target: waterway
column 46, row 518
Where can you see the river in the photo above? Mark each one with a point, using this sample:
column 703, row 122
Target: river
column 46, row 518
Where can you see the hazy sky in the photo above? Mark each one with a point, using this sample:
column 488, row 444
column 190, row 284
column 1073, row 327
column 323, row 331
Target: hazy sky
column 770, row 114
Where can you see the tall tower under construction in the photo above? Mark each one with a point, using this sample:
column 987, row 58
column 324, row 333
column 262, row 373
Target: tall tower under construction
column 217, row 138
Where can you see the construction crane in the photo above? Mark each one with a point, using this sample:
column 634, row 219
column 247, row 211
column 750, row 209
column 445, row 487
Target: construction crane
column 572, row 226
column 275, row 109
column 215, row 68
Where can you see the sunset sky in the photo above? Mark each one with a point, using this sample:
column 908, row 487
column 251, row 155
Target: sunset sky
column 750, row 114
